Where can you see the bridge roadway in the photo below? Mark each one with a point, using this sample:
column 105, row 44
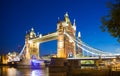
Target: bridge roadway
column 84, row 58
column 93, row 58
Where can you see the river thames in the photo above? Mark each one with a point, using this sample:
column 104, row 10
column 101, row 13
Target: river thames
column 12, row 71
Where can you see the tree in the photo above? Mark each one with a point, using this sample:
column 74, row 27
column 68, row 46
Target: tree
column 111, row 22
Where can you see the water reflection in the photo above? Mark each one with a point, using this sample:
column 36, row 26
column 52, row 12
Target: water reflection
column 11, row 71
column 36, row 73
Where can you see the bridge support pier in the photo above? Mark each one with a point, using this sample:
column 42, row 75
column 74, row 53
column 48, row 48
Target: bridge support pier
column 74, row 63
column 57, row 67
column 63, row 67
column 96, row 62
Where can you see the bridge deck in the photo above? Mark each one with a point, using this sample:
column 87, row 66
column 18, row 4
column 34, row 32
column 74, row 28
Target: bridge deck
column 92, row 58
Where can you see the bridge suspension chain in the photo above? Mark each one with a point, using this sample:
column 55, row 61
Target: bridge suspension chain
column 21, row 51
column 91, row 48
column 17, row 58
column 79, row 45
column 87, row 48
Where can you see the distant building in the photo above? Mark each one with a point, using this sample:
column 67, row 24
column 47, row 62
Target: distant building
column 0, row 59
column 3, row 59
column 11, row 56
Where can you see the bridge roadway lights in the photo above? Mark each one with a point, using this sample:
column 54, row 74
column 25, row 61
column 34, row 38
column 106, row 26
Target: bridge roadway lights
column 62, row 66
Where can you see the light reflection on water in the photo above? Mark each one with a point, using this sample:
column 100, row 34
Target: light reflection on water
column 11, row 71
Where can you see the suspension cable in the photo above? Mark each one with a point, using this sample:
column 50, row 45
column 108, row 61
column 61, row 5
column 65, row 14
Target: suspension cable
column 94, row 51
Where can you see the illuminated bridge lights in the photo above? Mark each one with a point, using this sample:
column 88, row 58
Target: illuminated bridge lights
column 89, row 49
column 36, row 63
column 67, row 43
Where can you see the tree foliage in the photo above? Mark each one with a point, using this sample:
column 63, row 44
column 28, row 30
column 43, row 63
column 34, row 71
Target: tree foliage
column 111, row 22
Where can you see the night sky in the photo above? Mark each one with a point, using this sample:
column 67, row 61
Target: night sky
column 19, row 16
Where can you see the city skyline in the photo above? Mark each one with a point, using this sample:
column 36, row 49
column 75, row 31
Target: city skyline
column 17, row 17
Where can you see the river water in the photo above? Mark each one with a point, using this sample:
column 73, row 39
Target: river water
column 12, row 71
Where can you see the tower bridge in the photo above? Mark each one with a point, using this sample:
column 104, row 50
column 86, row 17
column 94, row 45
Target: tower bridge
column 64, row 48
column 67, row 42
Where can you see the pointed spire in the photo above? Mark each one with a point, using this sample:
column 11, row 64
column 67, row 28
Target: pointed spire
column 74, row 22
column 74, row 25
column 32, row 33
column 79, row 34
column 40, row 35
column 58, row 19
column 66, row 17
column 32, row 29
column 37, row 33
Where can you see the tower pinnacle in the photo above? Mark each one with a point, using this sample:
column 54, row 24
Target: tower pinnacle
column 74, row 25
column 66, row 17
column 74, row 21
column 32, row 33
column 79, row 34
column 32, row 29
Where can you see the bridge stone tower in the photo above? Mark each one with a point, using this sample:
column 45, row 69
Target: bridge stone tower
column 32, row 48
column 66, row 47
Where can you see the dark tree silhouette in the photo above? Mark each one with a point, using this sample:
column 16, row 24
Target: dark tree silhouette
column 111, row 22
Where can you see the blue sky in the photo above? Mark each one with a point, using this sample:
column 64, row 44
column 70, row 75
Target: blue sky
column 19, row 16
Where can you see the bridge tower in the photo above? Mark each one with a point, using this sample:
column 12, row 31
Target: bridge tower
column 32, row 48
column 66, row 47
